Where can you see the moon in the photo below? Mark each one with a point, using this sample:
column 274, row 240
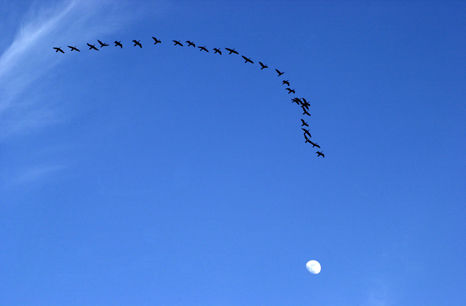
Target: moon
column 313, row 266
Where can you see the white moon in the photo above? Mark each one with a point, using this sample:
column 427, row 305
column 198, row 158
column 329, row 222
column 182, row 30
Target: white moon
column 313, row 266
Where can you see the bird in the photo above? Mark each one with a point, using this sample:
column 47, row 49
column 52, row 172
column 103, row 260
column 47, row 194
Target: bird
column 102, row 44
column 73, row 48
column 306, row 132
column 286, row 82
column 320, row 154
column 279, row 72
column 247, row 60
column 177, row 43
column 217, row 50
column 296, row 100
column 118, row 44
column 231, row 51
column 263, row 66
column 290, row 90
column 202, row 48
column 305, row 112
column 304, row 123
column 92, row 47
column 307, row 139
column 156, row 41
column 137, row 43
column 314, row 145
column 57, row 49
column 191, row 44
column 305, row 103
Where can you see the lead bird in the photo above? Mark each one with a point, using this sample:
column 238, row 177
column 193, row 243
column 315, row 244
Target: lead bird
column 118, row 44
column 231, row 51
column 247, row 60
column 137, row 43
column 73, row 48
column 92, row 47
column 263, row 66
column 57, row 49
column 102, row 44
column 177, row 43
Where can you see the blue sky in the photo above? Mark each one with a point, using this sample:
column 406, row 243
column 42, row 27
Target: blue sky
column 166, row 176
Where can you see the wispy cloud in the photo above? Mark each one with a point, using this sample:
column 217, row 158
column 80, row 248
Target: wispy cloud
column 34, row 173
column 29, row 56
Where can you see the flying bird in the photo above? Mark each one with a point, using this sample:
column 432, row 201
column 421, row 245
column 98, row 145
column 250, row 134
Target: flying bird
column 286, row 82
column 57, row 49
column 314, row 145
column 118, row 44
column 231, row 51
column 296, row 100
column 92, row 47
column 305, row 112
column 137, row 43
column 247, row 60
column 102, row 44
column 320, row 154
column 290, row 90
column 307, row 139
column 305, row 103
column 156, row 41
column 177, row 43
column 279, row 72
column 304, row 123
column 73, row 48
column 306, row 132
column 191, row 44
column 263, row 66
column 217, row 50
column 202, row 48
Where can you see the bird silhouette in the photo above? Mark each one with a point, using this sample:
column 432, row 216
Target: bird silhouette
column 217, row 51
column 304, row 123
column 137, row 43
column 177, row 43
column 102, row 44
column 191, row 44
column 247, row 60
column 305, row 103
column 202, row 48
column 263, row 66
column 73, row 48
column 305, row 112
column 231, row 51
column 92, row 47
column 306, row 132
column 314, row 145
column 57, row 49
column 118, row 44
column 286, row 82
column 290, row 90
column 296, row 100
column 279, row 72
column 320, row 154
column 156, row 41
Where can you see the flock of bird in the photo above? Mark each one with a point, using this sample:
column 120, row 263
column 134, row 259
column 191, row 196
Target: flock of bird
column 302, row 102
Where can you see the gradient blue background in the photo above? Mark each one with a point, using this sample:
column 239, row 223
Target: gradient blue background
column 182, row 178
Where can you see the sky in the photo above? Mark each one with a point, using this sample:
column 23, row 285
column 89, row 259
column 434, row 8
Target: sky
column 168, row 176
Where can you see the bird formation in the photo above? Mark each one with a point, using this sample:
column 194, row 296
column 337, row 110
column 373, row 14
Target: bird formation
column 301, row 102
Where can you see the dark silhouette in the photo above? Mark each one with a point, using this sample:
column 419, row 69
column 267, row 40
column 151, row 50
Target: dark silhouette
column 263, row 66
column 296, row 100
column 279, row 72
column 102, row 44
column 137, row 43
column 118, row 44
column 305, row 103
column 290, row 90
column 305, row 112
column 307, row 139
column 177, row 43
column 247, row 60
column 320, row 154
column 92, row 47
column 73, row 48
column 217, row 50
column 156, row 41
column 231, row 51
column 286, row 82
column 202, row 48
column 191, row 44
column 304, row 123
column 306, row 132
column 314, row 145
column 57, row 49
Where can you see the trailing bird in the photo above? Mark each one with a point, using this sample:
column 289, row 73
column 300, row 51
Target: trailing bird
column 279, row 72
column 92, row 47
column 304, row 123
column 191, row 44
column 202, row 48
column 217, row 50
column 102, row 44
column 118, row 44
column 73, row 48
column 137, row 43
column 231, row 51
column 263, row 66
column 247, row 60
column 177, row 43
column 306, row 132
column 156, row 41
column 320, row 154
column 57, row 49
column 290, row 90
column 285, row 82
